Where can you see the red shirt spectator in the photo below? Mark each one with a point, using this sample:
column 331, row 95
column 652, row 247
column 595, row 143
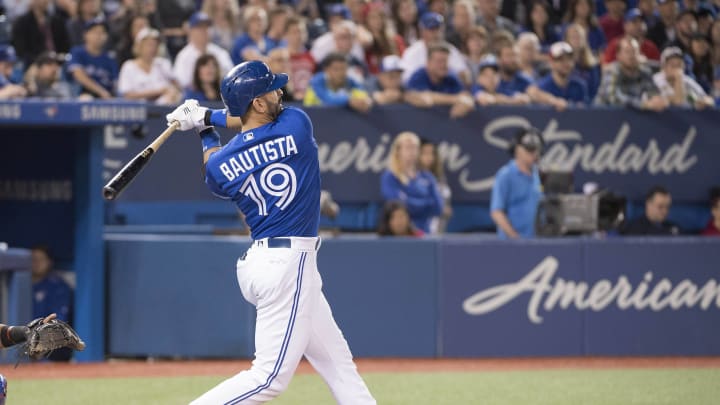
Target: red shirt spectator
column 713, row 227
column 612, row 21
column 634, row 27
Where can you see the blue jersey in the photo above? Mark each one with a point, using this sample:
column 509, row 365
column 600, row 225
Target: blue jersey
column 576, row 90
column 52, row 294
column 420, row 81
column 272, row 173
column 101, row 68
column 518, row 84
column 516, row 194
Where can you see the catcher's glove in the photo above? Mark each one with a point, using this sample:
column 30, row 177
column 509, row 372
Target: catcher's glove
column 47, row 334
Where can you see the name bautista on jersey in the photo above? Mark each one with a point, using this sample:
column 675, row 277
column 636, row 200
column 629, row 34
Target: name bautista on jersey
column 257, row 155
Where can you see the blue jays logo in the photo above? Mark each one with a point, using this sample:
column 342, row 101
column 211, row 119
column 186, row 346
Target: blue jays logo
column 51, row 111
column 248, row 137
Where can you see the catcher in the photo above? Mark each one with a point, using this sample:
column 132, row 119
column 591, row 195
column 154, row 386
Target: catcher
column 40, row 337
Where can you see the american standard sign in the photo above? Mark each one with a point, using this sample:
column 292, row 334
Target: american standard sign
column 547, row 292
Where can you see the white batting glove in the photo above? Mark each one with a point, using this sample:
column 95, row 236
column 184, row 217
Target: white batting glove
column 190, row 115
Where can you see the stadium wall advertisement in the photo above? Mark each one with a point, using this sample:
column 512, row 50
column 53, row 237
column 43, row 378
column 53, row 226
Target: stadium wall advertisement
column 624, row 150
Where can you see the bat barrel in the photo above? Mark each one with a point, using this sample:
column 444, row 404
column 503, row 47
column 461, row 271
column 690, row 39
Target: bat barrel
column 109, row 193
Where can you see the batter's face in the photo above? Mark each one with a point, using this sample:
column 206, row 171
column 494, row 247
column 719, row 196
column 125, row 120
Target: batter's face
column 273, row 103
column 657, row 207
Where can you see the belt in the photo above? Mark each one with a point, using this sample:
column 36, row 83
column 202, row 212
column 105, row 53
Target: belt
column 303, row 243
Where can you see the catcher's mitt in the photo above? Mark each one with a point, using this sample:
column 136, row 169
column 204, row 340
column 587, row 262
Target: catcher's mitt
column 47, row 334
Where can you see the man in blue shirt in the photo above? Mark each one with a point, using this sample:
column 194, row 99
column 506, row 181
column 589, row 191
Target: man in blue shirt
column 8, row 89
column 90, row 65
column 334, row 87
column 434, row 84
column 517, row 191
column 253, row 44
column 560, row 82
column 512, row 81
column 271, row 171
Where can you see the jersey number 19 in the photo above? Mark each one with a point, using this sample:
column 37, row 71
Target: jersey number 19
column 285, row 188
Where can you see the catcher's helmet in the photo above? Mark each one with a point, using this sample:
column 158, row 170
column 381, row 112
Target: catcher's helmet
column 247, row 81
column 3, row 389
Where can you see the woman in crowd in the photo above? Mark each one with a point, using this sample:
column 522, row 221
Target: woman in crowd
column 476, row 45
column 225, row 15
column 405, row 16
column 206, row 80
column 587, row 66
column 461, row 24
column 538, row 22
column 702, row 66
column 430, row 161
column 148, row 76
column 582, row 12
column 395, row 221
column 378, row 37
column 529, row 58
column 405, row 181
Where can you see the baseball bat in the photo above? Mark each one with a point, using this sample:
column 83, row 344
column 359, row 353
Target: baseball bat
column 126, row 175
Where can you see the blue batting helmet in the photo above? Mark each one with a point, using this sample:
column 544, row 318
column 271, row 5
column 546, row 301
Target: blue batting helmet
column 245, row 82
column 3, row 389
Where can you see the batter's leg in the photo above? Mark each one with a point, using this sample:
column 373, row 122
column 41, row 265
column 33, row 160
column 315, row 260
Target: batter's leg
column 329, row 354
column 286, row 301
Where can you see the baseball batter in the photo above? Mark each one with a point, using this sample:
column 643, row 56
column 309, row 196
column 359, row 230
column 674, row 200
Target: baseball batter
column 271, row 171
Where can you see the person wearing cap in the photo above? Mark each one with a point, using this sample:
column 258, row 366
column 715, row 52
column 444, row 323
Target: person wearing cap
column 86, row 10
column 635, row 28
column 39, row 30
column 628, row 83
column 253, row 44
column 198, row 44
column 432, row 30
column 561, row 83
column 663, row 31
column 43, row 78
column 334, row 87
column 8, row 58
column 612, row 22
column 148, row 76
column 435, row 85
column 678, row 88
column 706, row 15
column 302, row 64
column 685, row 27
column 485, row 89
column 489, row 17
column 93, row 68
column 386, row 86
column 517, row 189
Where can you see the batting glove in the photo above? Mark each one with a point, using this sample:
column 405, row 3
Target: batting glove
column 189, row 115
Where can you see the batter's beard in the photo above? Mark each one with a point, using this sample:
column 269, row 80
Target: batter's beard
column 275, row 111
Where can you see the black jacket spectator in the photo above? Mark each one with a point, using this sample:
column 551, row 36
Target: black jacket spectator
column 30, row 40
column 643, row 227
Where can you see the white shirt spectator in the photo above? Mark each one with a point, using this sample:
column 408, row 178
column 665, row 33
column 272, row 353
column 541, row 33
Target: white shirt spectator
column 133, row 78
column 325, row 44
column 415, row 57
column 186, row 58
column 693, row 91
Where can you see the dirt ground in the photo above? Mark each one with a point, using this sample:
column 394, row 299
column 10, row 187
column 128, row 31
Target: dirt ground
column 166, row 368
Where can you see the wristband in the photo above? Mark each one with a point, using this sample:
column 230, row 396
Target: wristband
column 216, row 118
column 210, row 139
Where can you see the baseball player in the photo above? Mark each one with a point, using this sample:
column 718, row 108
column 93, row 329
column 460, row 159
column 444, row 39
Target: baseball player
column 271, row 171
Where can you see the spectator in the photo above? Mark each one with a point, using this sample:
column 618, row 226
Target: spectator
column 538, row 22
column 86, row 10
column 586, row 64
column 516, row 191
column 663, row 31
column 530, row 62
column 277, row 19
column 702, row 66
column 485, row 89
column 253, row 44
column 612, row 21
column 713, row 226
column 226, row 19
column 705, row 17
column 715, row 41
column 8, row 89
column 278, row 60
column 206, row 80
column 441, row 7
column 198, row 44
column 381, row 39
column 436, row 85
column 386, row 86
column 51, row 294
column 685, row 28
column 654, row 222
column 462, row 24
column 148, row 77
column 43, row 78
column 39, row 30
column 430, row 161
column 125, row 23
column 125, row 38
column 302, row 65
column 678, row 88
column 395, row 221
column 342, row 40
column 648, row 9
column 334, row 87
column 405, row 18
column 512, row 81
column 477, row 47
column 490, row 18
column 634, row 28
column 582, row 13
column 356, row 8
column 91, row 66
column 405, row 181
column 560, row 83
column 629, row 83
column 432, row 31
column 173, row 16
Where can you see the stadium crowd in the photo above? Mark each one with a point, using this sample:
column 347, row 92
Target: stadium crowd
column 648, row 54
